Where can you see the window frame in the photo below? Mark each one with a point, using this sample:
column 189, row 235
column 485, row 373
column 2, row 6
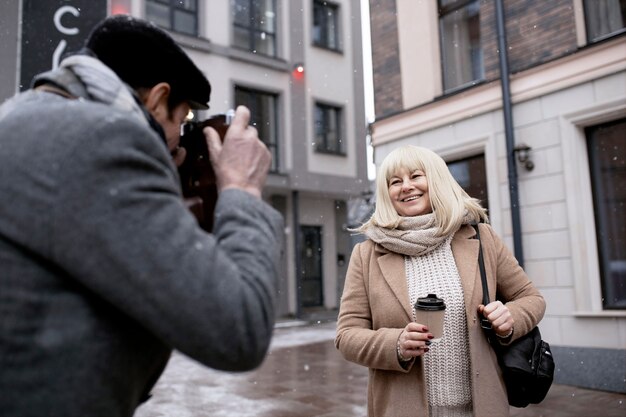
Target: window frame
column 320, row 6
column 254, row 29
column 584, row 268
column 587, row 17
column 444, row 10
column 469, row 160
column 323, row 147
column 173, row 7
column 273, row 144
column 601, row 226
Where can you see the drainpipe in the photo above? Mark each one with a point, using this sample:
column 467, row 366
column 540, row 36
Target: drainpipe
column 508, row 131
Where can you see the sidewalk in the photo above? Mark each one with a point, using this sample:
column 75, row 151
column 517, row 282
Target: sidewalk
column 568, row 401
column 305, row 376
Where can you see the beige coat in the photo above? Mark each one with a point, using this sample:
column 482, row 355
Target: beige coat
column 375, row 308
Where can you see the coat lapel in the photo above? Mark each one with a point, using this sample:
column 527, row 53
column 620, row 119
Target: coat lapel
column 393, row 270
column 465, row 251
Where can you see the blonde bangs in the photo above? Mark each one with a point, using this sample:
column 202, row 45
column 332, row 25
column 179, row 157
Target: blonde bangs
column 406, row 157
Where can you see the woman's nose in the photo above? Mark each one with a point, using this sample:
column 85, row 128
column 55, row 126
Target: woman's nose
column 407, row 184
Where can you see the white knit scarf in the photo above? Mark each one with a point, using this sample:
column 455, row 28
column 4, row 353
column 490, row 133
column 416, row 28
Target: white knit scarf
column 414, row 236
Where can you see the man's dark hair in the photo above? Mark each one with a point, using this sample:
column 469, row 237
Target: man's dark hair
column 143, row 55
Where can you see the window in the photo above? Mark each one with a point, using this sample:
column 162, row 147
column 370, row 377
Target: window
column 461, row 50
column 325, row 24
column 263, row 116
column 328, row 129
column 604, row 18
column 471, row 175
column 255, row 25
column 606, row 145
column 177, row 15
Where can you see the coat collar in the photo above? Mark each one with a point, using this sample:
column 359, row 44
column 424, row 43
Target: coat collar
column 394, row 272
column 465, row 252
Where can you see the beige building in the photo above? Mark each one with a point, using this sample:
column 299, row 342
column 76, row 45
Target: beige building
column 252, row 52
column 437, row 84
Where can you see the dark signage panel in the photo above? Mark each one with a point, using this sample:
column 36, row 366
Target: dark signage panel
column 51, row 29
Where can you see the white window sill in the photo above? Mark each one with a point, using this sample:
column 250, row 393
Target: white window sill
column 600, row 314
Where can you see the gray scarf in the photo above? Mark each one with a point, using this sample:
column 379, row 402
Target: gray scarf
column 414, row 236
column 103, row 85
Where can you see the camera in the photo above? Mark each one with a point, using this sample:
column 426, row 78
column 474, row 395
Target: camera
column 196, row 173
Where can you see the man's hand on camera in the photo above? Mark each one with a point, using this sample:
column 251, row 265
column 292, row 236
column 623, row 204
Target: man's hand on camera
column 242, row 161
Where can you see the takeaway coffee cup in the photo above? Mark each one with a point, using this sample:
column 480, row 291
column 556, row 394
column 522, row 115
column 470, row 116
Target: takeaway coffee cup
column 430, row 311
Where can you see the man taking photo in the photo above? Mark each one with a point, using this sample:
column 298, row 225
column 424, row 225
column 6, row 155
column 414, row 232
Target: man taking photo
column 103, row 269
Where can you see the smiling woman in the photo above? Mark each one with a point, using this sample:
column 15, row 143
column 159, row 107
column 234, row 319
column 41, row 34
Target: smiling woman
column 421, row 243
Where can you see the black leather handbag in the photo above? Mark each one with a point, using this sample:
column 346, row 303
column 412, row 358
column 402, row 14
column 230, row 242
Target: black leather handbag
column 527, row 364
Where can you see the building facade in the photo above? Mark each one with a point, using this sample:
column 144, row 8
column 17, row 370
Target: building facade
column 296, row 64
column 437, row 83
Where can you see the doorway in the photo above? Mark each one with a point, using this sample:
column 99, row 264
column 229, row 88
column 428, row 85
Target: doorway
column 311, row 275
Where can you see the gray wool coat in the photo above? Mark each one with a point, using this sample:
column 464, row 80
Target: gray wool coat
column 375, row 309
column 103, row 270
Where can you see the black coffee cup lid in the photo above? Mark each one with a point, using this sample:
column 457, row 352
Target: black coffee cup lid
column 430, row 302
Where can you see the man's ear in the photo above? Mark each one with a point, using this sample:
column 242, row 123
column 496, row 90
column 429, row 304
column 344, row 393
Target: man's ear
column 156, row 100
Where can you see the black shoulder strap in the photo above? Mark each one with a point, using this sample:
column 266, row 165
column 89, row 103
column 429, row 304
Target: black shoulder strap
column 484, row 323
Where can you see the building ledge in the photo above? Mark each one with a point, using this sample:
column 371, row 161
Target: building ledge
column 586, row 65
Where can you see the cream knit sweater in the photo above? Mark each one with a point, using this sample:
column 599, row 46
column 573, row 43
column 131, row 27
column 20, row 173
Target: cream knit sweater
column 447, row 364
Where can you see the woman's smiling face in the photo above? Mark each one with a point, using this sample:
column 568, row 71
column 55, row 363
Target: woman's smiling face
column 408, row 191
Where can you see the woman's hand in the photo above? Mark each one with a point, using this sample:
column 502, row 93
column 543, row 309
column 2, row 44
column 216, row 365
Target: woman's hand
column 413, row 341
column 499, row 316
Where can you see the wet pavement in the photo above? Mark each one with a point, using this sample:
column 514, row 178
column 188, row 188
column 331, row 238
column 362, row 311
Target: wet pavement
column 305, row 376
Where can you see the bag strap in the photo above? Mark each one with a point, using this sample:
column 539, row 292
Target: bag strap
column 484, row 323
column 481, row 265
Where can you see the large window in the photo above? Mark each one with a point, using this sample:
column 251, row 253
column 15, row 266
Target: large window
column 325, row 24
column 177, row 15
column 606, row 146
column 461, row 49
column 471, row 175
column 328, row 129
column 604, row 18
column 255, row 25
column 263, row 116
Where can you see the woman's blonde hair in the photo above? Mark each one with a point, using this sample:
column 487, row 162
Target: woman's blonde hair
column 449, row 201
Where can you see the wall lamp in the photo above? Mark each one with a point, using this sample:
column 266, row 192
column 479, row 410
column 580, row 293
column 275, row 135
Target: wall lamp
column 522, row 152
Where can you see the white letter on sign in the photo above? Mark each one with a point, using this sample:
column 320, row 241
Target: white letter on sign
column 57, row 20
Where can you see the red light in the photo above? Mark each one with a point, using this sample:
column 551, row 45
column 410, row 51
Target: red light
column 298, row 71
column 120, row 7
column 118, row 10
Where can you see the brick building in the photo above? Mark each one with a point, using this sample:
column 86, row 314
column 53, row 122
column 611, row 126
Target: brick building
column 437, row 84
